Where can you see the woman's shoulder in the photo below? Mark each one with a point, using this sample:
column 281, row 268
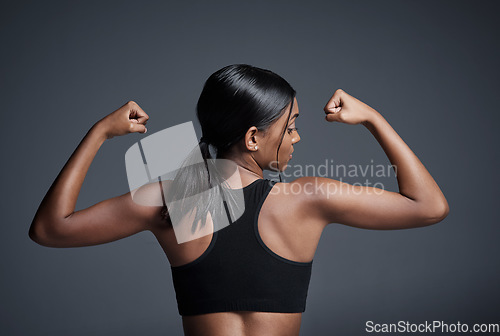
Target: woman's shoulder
column 307, row 187
column 290, row 213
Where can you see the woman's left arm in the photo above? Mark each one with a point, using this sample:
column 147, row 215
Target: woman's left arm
column 56, row 224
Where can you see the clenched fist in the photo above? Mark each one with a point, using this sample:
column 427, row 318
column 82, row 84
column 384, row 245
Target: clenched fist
column 130, row 118
column 344, row 108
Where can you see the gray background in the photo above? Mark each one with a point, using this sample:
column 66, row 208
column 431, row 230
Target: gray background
column 430, row 67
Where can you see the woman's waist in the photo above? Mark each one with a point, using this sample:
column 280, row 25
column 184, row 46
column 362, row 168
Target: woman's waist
column 242, row 323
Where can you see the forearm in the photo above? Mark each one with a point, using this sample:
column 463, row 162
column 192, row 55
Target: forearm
column 414, row 180
column 60, row 200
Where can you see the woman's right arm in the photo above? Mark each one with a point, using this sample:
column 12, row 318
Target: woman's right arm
column 419, row 201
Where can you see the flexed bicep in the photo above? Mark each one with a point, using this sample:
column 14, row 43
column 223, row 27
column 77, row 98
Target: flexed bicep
column 334, row 201
column 106, row 221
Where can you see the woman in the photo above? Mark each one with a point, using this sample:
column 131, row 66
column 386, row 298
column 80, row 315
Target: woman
column 237, row 280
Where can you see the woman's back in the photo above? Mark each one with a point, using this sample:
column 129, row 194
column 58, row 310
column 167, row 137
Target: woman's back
column 247, row 272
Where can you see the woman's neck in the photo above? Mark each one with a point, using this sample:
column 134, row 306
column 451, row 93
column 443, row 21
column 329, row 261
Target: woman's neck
column 247, row 166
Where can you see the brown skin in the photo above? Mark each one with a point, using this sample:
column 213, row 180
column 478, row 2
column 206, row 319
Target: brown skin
column 292, row 217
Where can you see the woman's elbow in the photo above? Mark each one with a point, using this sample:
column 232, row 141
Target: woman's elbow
column 38, row 234
column 437, row 215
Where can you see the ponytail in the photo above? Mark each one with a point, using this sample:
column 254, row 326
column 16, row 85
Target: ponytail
column 201, row 187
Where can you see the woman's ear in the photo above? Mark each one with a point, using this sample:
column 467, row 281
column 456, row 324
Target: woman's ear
column 251, row 139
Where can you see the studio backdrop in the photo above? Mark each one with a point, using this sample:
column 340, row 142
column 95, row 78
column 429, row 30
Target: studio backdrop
column 429, row 67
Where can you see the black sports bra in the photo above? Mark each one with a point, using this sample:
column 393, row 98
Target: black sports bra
column 239, row 272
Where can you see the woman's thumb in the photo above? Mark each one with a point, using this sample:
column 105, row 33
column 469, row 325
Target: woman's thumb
column 333, row 116
column 138, row 128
